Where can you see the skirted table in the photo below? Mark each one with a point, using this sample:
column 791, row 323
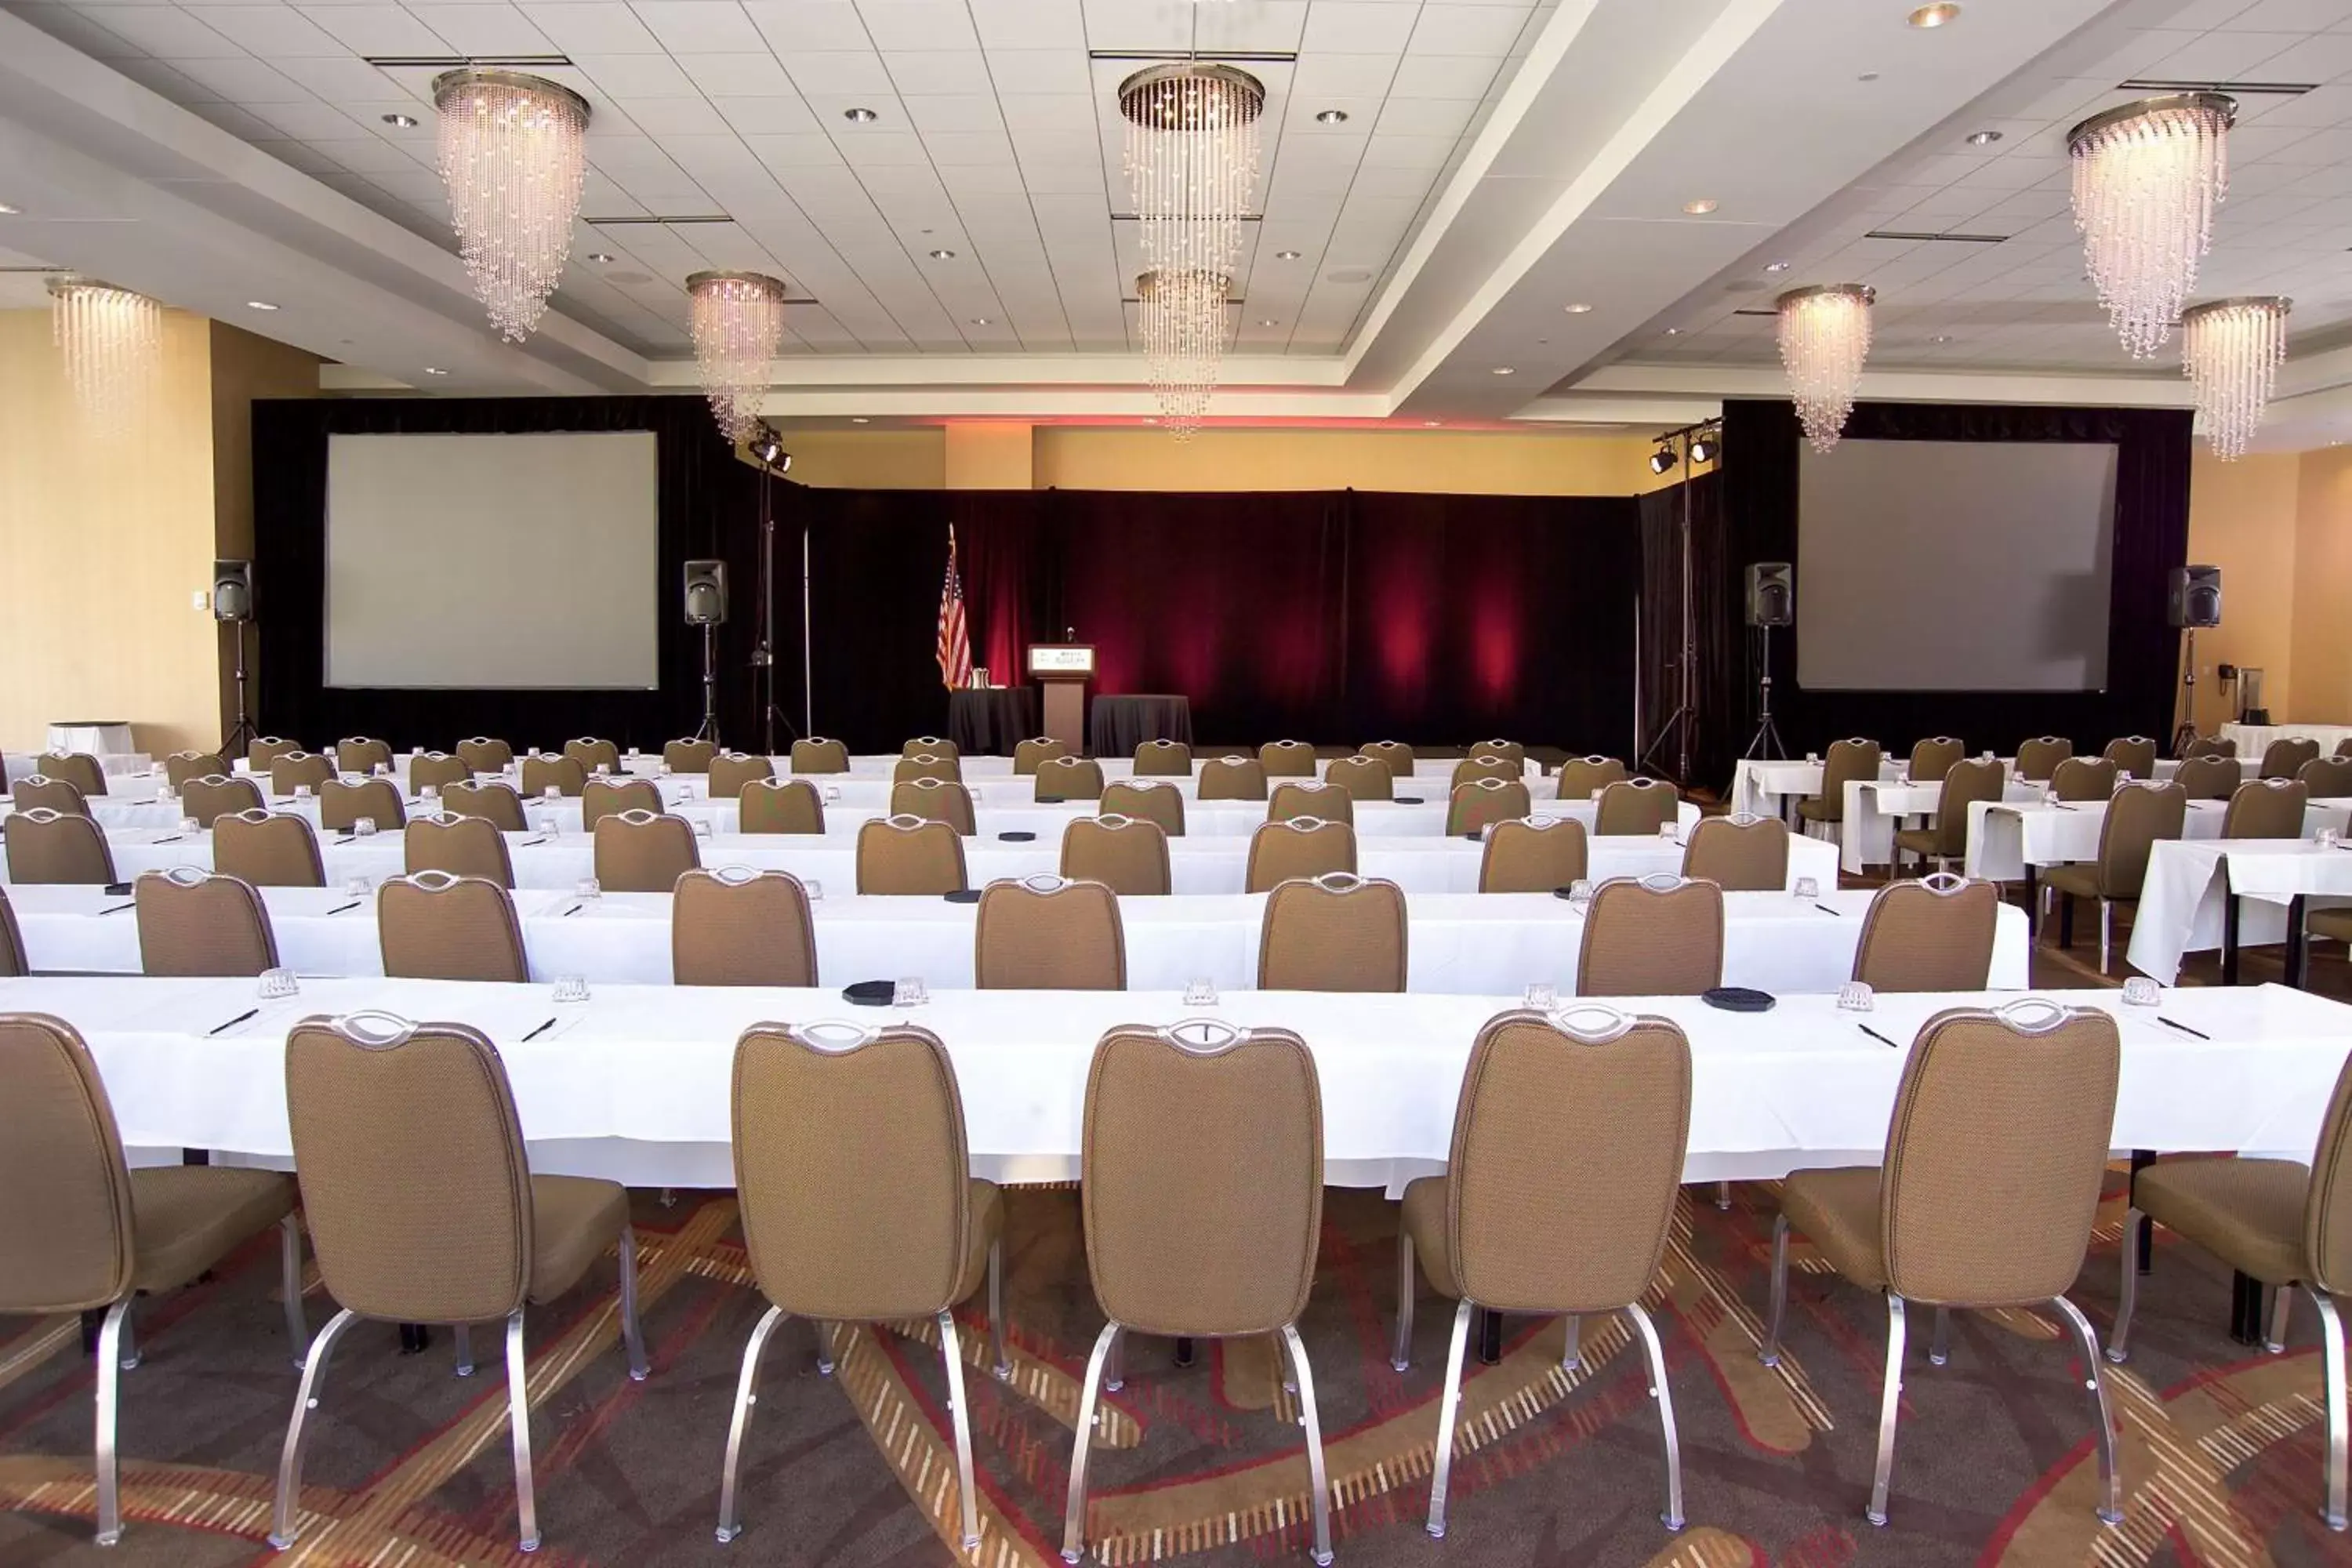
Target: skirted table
column 990, row 720
column 1117, row 725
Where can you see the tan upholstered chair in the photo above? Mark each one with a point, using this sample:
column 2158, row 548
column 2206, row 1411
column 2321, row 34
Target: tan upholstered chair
column 689, row 756
column 1027, row 754
column 495, row 803
column 484, row 754
column 1395, row 753
column 610, row 798
column 460, row 845
column 2083, row 779
column 1163, row 759
column 40, row 792
column 1947, row 838
column 1581, row 778
column 423, row 1209
column 1043, row 933
column 2133, row 754
column 1995, row 1156
column 194, row 923
column 2265, row 808
column 358, row 755
column 934, row 800
column 265, row 750
column 564, row 776
column 1510, row 752
column 90, row 1234
column 1533, row 855
column 859, row 1205
column 2038, row 759
column 1232, row 778
column 1286, row 759
column 299, row 770
column 1299, row 847
column 13, row 962
column 2208, row 778
column 182, row 766
column 1934, row 934
column 1932, row 758
column 818, row 755
column 780, row 805
column 929, row 765
column 78, row 769
column 1364, row 778
column 1154, row 802
column 736, row 926
column 1652, row 936
column 2278, row 1222
column 1636, row 806
column 931, row 746
column 436, row 771
column 2327, row 778
column 1846, row 762
column 340, row 805
column 1480, row 803
column 1486, row 767
column 592, row 754
column 1567, row 1214
column 2140, row 814
column 2209, row 746
column 907, row 855
column 435, row 926
column 1327, row 803
column 1201, row 1192
column 268, row 850
column 2284, row 757
column 730, row 771
column 1129, row 855
column 1069, row 778
column 1739, row 854
column 642, row 852
column 44, row 845
column 1333, row 933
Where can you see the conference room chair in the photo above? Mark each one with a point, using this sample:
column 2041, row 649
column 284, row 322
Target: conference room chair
column 358, row 755
column 1489, row 767
column 264, row 750
column 601, row 798
column 460, row 845
column 858, row 1205
column 493, row 802
column 1636, row 806
column 688, row 756
column 102, row 1234
column 41, row 792
column 1160, row 802
column 484, row 754
column 1510, row 752
column 1652, row 936
column 2281, row 758
column 1933, row 934
column 1067, row 778
column 592, row 754
column 44, row 845
column 2019, row 1101
column 435, row 926
column 1299, row 847
column 1530, row 855
column 1855, row 761
column 1739, row 854
column 2208, row 778
column 1327, row 803
column 1163, row 759
column 1581, row 778
column 730, row 771
column 2038, row 759
column 1337, row 931
column 1232, row 778
column 343, row 806
column 182, row 766
column 1049, row 933
column 934, row 800
column 2133, row 754
column 564, row 776
column 1563, row 1216
column 2265, row 808
column 1945, row 839
column 2279, row 1222
column 1186, row 1128
column 736, row 926
column 1027, row 754
column 1129, row 855
column 2327, row 778
column 931, row 746
column 929, row 765
column 818, row 755
column 644, row 852
column 78, row 769
column 1480, row 803
column 2342, row 747
column 909, row 855
column 1364, row 778
column 1286, row 759
column 13, row 962
column 2141, row 813
column 1395, row 753
column 2209, row 746
column 1935, row 757
column 422, row 1209
column 200, row 923
column 269, row 849
column 299, row 770
column 436, row 771
column 2084, row 778
column 780, row 805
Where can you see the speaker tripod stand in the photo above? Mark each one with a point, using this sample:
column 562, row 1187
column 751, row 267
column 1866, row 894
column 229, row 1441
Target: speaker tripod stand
column 2187, row 733
column 1765, row 745
column 241, row 734
column 709, row 729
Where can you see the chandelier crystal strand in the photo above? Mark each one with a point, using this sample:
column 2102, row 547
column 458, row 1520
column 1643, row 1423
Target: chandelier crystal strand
column 513, row 155
column 1824, row 338
column 2231, row 349
column 112, row 340
column 2147, row 179
column 1191, row 159
column 738, row 324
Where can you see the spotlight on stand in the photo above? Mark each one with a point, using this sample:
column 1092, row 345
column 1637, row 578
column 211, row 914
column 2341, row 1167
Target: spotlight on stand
column 767, row 448
column 1707, row 446
column 1662, row 458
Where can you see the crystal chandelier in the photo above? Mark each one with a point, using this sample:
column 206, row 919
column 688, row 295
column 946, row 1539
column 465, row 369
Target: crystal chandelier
column 1824, row 338
column 2147, row 179
column 1191, row 167
column 513, row 155
column 739, row 324
column 2232, row 349
column 112, row 340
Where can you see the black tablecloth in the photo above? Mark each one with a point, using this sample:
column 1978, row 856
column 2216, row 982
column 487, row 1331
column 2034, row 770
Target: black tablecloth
column 1117, row 725
column 991, row 722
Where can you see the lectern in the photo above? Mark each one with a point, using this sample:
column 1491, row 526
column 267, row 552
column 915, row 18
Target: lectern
column 1064, row 669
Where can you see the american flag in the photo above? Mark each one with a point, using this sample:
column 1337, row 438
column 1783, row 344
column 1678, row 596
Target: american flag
column 954, row 652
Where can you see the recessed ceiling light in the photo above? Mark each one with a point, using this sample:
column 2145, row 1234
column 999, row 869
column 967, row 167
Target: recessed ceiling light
column 1279, row 256
column 1579, row 308
column 1700, row 207
column 1983, row 138
column 434, row 370
column 1507, row 370
column 1332, row 117
column 982, row 322
column 1936, row 15
column 943, row 255
column 860, row 116
column 401, row 122
column 1941, row 337
column 260, row 305
column 1673, row 331
column 1268, row 322
column 601, row 258
column 8, row 210
column 1776, row 267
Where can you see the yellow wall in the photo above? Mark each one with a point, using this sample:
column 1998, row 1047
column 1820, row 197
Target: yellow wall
column 868, row 459
column 244, row 367
column 983, row 456
column 2241, row 518
column 2323, row 590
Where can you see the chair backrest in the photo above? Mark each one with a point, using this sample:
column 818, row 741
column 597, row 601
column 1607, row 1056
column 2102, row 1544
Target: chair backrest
column 2328, row 778
column 1027, row 754
column 1364, row 778
column 1480, row 803
column 1160, row 802
column 268, row 850
column 1299, row 847
column 41, row 792
column 296, row 770
column 931, row 746
column 2039, row 758
column 2084, row 778
column 1232, row 778
column 689, row 756
column 780, row 805
column 1395, row 753
column 1333, row 933
column 1532, row 855
column 340, row 805
column 2265, row 808
column 1286, row 759
column 1129, row 855
column 1636, row 806
column 264, row 750
column 2208, row 778
column 13, row 962
column 2283, row 757
column 2140, row 813
column 592, row 754
column 601, row 798
column 1934, row 934
column 2209, row 746
column 1306, row 797
column 194, row 922
column 851, row 1169
column 1855, row 761
column 2327, row 1203
column 358, row 755
column 45, row 846
column 484, row 754
column 437, row 770
column 214, row 796
column 929, row 765
column 818, row 755
column 78, row 769
column 492, row 801
column 1739, row 855
column 908, row 854
column 564, row 776
column 1996, row 1154
column 1485, row 767
column 435, row 926
column 1568, row 1151
column 2342, row 747
column 1932, row 758
column 461, row 845
column 415, row 1188
column 182, row 766
column 736, row 926
column 1163, row 759
column 935, row 800
column 1581, row 777
column 1068, row 778
column 643, row 852
column 1652, row 936
column 1965, row 782
column 1511, row 752
column 67, row 1245
column 2133, row 754
column 1042, row 933
column 730, row 771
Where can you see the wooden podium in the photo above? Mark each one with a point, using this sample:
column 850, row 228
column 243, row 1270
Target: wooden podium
column 1064, row 669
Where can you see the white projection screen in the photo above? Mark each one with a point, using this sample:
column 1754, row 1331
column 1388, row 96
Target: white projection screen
column 493, row 562
column 1955, row 565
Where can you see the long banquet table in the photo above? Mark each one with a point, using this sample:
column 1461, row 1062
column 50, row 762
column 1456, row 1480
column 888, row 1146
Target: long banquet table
column 2185, row 904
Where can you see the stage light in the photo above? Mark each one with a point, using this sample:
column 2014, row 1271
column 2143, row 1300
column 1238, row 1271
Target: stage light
column 1706, row 446
column 1662, row 458
column 767, row 448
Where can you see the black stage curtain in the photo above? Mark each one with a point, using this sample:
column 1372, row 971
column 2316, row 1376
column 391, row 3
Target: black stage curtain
column 1716, row 628
column 2151, row 536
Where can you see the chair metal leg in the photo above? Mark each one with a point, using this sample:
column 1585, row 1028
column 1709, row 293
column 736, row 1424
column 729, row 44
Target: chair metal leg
column 823, row 1348
column 1115, row 1366
column 1673, row 1518
column 1316, row 1475
column 306, row 1400
column 463, row 1335
column 1889, row 1400
column 2331, row 1339
column 110, row 1364
column 1449, row 1410
column 1400, row 1354
column 289, row 1268
column 2107, row 933
column 2111, row 1501
column 745, row 1397
column 1723, row 1196
column 1074, row 1518
column 2128, row 1297
column 1769, row 1352
column 519, row 1417
column 960, row 1412
column 1570, row 1357
column 632, row 1334
column 126, row 1348
column 2282, row 1318
column 1939, row 1341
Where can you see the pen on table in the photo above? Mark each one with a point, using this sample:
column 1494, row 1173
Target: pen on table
column 540, row 1030
column 573, row 909
column 2184, row 1029
column 1874, row 1034
column 339, row 908
column 1825, row 909
column 349, row 839
column 529, row 842
column 175, row 839
column 2060, row 805
column 233, row 1023
column 118, row 909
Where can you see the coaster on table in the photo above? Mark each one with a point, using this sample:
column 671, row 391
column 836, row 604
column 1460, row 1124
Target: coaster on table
column 870, row 992
column 1737, row 999
column 964, row 896
column 1017, row 835
column 1410, row 800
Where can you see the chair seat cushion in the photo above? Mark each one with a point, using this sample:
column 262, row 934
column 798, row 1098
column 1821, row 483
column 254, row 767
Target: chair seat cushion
column 574, row 1219
column 1837, row 1211
column 2081, row 881
column 2247, row 1213
column 987, row 1225
column 189, row 1218
column 1919, row 840
column 1821, row 808
column 1424, row 1221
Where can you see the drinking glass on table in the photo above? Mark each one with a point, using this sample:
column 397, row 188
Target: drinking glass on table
column 1812, row 759
column 546, row 824
column 1580, row 892
column 2328, row 837
column 429, row 793
column 815, row 889
column 1806, row 887
column 588, row 890
column 571, row 988
column 1201, row 991
column 278, row 982
column 363, row 827
column 909, row 992
column 302, row 792
column 356, row 886
column 2139, row 990
column 190, row 825
column 1855, row 997
column 553, row 792
column 1542, row 997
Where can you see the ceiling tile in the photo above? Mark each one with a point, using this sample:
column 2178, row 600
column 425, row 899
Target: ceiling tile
column 267, row 31
column 919, row 24
column 771, row 116
column 484, row 29
column 594, row 27
column 676, row 116
column 636, row 76
column 937, row 72
column 1360, row 27
column 699, row 27
column 376, row 29
column 748, row 73
column 169, row 33
column 837, row 72
column 1030, row 24
column 1491, row 30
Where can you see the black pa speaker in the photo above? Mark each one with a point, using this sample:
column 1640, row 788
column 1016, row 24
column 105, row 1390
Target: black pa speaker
column 2195, row 600
column 705, row 592
column 232, row 590
column 1771, row 594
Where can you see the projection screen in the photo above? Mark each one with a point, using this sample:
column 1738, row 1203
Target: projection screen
column 493, row 562
column 1955, row 565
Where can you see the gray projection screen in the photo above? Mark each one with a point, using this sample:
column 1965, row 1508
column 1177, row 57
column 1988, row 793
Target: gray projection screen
column 1955, row 565
column 493, row 562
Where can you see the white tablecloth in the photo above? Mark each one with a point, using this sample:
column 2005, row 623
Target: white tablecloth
column 1867, row 836
column 115, row 765
column 99, row 737
column 2253, row 740
column 1759, row 787
column 2181, row 904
